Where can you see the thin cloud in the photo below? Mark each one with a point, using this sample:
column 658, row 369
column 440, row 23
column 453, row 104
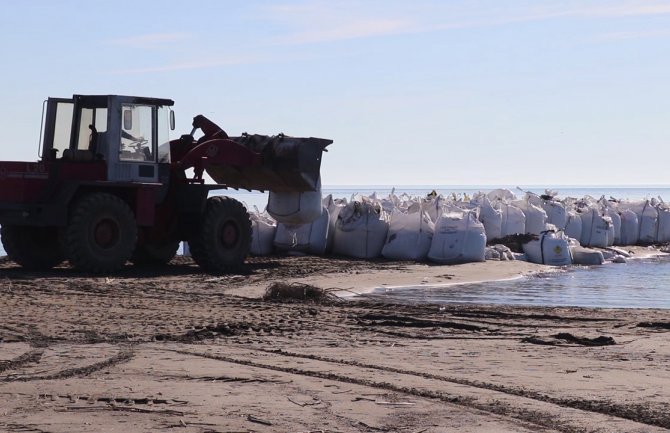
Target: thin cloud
column 319, row 22
column 151, row 41
column 620, row 36
column 187, row 66
column 354, row 30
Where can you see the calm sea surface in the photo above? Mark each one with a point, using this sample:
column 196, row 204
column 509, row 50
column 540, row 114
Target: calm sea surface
column 641, row 283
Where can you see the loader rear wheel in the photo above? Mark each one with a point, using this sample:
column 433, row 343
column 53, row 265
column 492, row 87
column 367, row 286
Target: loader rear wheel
column 101, row 234
column 223, row 240
column 154, row 254
column 34, row 248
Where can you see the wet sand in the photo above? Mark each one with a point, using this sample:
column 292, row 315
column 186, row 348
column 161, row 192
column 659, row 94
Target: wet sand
column 179, row 350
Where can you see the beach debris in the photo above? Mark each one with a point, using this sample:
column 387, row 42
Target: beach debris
column 258, row 420
column 570, row 338
column 515, row 242
column 498, row 252
column 619, row 259
column 657, row 325
column 282, row 291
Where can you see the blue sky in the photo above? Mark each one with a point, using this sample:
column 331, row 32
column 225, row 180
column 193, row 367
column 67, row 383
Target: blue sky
column 413, row 93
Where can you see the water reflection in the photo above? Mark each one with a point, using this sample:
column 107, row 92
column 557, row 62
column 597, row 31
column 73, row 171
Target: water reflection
column 636, row 284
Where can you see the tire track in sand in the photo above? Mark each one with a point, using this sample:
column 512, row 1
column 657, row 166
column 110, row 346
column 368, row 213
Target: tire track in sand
column 483, row 397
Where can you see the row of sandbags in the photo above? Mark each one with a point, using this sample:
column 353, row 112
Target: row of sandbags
column 596, row 223
column 364, row 228
column 455, row 229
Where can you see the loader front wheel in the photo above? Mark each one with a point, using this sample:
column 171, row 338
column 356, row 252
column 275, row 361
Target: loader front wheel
column 34, row 248
column 101, row 234
column 223, row 240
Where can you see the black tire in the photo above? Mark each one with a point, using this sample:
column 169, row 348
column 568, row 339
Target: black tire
column 154, row 255
column 223, row 240
column 34, row 248
column 101, row 233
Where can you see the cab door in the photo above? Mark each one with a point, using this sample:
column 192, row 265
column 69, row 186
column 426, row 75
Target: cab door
column 136, row 157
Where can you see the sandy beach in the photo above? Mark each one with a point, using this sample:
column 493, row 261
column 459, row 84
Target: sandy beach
column 179, row 350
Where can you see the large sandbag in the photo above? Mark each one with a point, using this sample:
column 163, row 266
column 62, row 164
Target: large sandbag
column 594, row 229
column 360, row 230
column 556, row 213
column 573, row 225
column 263, row 229
column 491, row 218
column 459, row 238
column 513, row 220
column 311, row 238
column 433, row 205
column 549, row 249
column 536, row 217
column 614, row 232
column 663, row 234
column 334, row 207
column 586, row 256
column 630, row 228
column 296, row 207
column 647, row 217
column 409, row 236
column 501, row 195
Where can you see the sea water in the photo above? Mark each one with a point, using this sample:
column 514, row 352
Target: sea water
column 640, row 283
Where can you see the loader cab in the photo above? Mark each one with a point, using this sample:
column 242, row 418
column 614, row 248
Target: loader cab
column 129, row 135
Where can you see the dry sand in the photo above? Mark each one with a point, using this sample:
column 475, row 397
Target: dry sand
column 176, row 350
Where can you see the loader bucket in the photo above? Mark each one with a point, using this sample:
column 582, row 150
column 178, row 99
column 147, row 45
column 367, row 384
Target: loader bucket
column 288, row 164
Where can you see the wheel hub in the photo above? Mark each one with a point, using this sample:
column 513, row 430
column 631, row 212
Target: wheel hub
column 106, row 233
column 230, row 234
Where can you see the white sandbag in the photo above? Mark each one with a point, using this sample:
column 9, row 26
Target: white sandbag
column 501, row 194
column 491, row 218
column 630, row 228
column 594, row 229
column 586, row 256
column 663, row 233
column 459, row 238
column 573, row 225
column 647, row 217
column 334, row 207
column 614, row 232
column 263, row 229
column 433, row 205
column 549, row 249
column 536, row 217
column 513, row 219
column 295, row 207
column 361, row 230
column 556, row 213
column 409, row 236
column 311, row 238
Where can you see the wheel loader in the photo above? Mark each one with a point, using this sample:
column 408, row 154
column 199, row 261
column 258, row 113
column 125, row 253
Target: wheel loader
column 111, row 187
